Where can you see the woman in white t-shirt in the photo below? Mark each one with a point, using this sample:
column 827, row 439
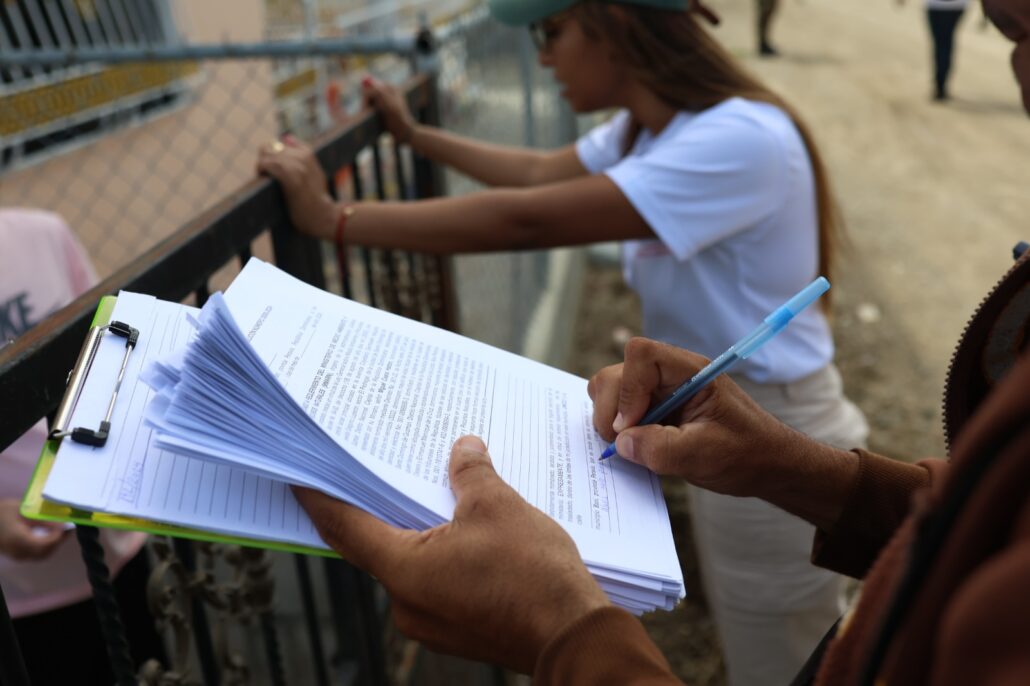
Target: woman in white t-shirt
column 724, row 206
column 942, row 17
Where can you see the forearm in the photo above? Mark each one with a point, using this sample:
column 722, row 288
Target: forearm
column 479, row 222
column 852, row 491
column 807, row 478
column 570, row 213
column 490, row 164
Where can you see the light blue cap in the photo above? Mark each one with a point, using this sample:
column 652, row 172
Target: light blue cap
column 790, row 309
column 775, row 322
column 524, row 12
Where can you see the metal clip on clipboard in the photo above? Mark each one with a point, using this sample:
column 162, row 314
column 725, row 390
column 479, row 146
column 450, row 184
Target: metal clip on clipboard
column 77, row 378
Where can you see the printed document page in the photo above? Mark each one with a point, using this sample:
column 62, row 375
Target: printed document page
column 395, row 394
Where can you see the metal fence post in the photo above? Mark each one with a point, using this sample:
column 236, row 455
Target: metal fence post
column 298, row 255
column 430, row 182
column 12, row 666
column 202, row 640
column 307, row 595
column 526, row 53
column 359, row 631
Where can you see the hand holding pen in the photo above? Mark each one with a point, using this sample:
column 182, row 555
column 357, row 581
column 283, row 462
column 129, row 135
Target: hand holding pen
column 740, row 350
column 721, row 440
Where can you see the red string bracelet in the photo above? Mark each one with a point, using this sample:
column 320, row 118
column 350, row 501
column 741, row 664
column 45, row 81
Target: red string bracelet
column 341, row 248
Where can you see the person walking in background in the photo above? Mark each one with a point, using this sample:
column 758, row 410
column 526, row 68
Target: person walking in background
column 943, row 17
column 43, row 268
column 717, row 188
column 766, row 10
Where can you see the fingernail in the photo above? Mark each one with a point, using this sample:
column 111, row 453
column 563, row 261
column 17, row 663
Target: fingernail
column 624, row 446
column 472, row 444
column 619, row 424
column 366, row 82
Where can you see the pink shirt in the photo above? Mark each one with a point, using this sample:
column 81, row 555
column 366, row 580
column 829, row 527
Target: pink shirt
column 42, row 268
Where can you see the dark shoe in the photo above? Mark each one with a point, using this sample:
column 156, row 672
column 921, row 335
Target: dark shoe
column 767, row 50
column 941, row 95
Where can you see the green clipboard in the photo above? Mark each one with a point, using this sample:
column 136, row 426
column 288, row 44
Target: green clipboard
column 34, row 506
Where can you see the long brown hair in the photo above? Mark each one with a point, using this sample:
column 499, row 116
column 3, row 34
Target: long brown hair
column 670, row 54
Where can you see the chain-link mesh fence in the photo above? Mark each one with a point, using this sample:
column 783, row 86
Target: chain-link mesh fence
column 128, row 152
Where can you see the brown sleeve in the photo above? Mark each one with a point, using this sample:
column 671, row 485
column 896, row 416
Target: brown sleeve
column 879, row 501
column 607, row 646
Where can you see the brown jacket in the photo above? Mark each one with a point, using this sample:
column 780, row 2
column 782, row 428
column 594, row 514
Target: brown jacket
column 966, row 616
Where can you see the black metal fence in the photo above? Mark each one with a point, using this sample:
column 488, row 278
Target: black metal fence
column 127, row 136
column 33, row 373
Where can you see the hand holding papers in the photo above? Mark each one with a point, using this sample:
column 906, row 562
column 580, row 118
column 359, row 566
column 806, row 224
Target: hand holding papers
column 500, row 568
column 284, row 383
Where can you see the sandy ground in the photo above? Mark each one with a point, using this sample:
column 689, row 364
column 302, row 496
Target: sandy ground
column 934, row 201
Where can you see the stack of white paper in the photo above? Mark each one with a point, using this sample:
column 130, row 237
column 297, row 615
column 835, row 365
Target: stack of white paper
column 284, row 382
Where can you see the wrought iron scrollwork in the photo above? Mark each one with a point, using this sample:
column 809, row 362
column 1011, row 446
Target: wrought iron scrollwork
column 180, row 591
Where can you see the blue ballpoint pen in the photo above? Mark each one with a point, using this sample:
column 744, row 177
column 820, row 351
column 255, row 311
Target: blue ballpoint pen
column 741, row 350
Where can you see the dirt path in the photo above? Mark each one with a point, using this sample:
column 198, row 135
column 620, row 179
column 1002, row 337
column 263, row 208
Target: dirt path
column 934, row 201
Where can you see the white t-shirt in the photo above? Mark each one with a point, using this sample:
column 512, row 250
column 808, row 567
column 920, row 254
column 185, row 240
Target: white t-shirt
column 730, row 194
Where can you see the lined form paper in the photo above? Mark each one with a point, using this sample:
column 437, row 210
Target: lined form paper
column 132, row 476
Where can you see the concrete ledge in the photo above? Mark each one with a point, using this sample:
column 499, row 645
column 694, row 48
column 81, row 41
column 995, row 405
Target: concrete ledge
column 548, row 336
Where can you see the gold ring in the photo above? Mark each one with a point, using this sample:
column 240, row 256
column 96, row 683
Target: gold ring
column 278, row 146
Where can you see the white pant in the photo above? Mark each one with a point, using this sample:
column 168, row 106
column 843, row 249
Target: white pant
column 770, row 604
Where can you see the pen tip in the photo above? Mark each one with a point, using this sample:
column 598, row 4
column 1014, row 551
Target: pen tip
column 608, row 452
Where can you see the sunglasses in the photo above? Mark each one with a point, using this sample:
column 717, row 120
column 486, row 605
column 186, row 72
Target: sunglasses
column 544, row 32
